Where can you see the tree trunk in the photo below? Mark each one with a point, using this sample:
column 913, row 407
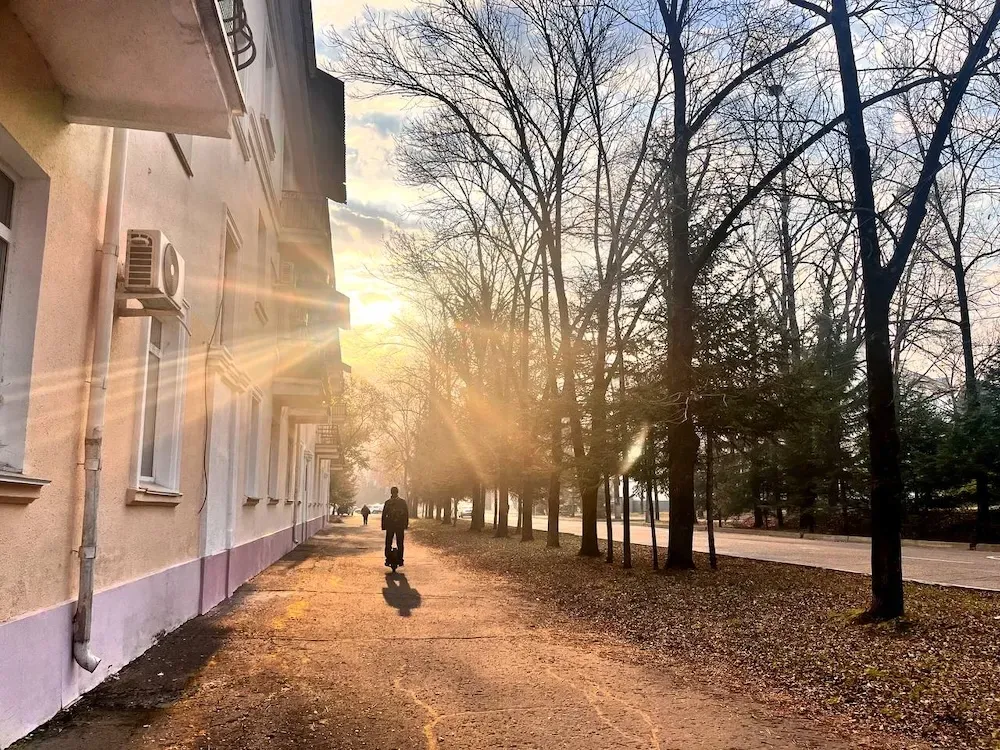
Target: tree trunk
column 879, row 284
column 527, row 508
column 552, row 529
column 681, row 437
column 982, row 530
column 626, row 523
column 709, row 489
column 478, row 521
column 503, row 503
column 588, row 512
column 682, row 442
column 411, row 502
column 807, row 519
column 883, row 441
column 607, row 519
column 652, row 524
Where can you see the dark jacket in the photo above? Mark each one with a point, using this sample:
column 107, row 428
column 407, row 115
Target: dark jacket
column 395, row 514
column 365, row 510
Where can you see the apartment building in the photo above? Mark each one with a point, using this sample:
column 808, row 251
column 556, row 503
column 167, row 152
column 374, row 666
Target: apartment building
column 169, row 322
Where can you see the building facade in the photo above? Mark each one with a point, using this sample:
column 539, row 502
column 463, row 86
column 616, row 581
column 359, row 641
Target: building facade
column 169, row 322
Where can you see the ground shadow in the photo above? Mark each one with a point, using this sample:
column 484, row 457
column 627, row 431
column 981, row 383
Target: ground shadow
column 142, row 692
column 399, row 595
column 340, row 542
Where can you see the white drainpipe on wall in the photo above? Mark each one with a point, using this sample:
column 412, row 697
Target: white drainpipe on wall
column 98, row 398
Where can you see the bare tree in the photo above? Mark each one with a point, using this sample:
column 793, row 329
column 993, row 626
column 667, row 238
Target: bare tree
column 881, row 277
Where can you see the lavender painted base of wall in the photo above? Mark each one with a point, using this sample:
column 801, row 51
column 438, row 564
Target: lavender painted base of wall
column 38, row 676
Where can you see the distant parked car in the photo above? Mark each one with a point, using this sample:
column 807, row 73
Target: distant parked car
column 465, row 510
column 376, row 508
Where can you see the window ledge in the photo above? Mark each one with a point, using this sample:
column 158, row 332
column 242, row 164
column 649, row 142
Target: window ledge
column 152, row 494
column 17, row 489
column 273, row 500
column 251, row 501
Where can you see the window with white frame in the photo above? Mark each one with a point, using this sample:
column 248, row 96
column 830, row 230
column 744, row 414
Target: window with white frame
column 269, row 76
column 162, row 405
column 274, row 492
column 24, row 198
column 252, row 480
column 228, row 329
column 263, row 263
column 6, row 233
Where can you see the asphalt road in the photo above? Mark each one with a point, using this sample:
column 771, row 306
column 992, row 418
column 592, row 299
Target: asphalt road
column 947, row 566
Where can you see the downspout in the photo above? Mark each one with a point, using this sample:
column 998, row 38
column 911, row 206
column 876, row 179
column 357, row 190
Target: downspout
column 294, row 489
column 98, row 398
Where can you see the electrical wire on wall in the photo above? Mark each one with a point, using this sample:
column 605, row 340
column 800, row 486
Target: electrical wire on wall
column 208, row 352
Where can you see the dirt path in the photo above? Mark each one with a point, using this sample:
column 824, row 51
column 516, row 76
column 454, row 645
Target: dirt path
column 323, row 650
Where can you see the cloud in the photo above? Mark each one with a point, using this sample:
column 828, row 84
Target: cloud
column 367, row 222
column 386, row 124
column 350, row 227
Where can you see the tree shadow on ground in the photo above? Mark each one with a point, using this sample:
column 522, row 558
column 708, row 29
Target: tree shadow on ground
column 399, row 595
column 326, row 544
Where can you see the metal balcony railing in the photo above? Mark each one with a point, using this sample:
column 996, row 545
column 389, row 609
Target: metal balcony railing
column 241, row 43
column 327, row 435
column 305, row 212
column 338, row 410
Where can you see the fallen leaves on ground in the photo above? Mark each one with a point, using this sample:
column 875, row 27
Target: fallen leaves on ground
column 779, row 629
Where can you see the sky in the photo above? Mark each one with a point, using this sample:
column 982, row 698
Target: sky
column 376, row 203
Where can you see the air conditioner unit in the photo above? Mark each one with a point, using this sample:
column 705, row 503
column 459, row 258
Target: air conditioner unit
column 286, row 273
column 154, row 272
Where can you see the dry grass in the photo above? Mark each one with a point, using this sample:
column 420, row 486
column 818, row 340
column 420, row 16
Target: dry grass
column 775, row 628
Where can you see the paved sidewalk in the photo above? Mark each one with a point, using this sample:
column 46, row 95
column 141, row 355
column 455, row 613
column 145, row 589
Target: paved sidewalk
column 324, row 650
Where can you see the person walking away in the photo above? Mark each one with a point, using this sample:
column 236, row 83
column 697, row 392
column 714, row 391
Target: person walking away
column 365, row 510
column 395, row 521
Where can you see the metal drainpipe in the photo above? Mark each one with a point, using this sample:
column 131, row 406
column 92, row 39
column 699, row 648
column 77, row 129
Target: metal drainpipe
column 98, row 398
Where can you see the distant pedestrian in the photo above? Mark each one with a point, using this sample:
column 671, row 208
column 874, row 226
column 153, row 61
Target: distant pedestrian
column 395, row 521
column 365, row 511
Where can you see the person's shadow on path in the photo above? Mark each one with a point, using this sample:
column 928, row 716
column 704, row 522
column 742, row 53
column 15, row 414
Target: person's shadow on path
column 399, row 595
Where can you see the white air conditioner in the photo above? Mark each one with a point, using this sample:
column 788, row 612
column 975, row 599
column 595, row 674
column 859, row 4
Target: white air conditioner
column 286, row 273
column 154, row 272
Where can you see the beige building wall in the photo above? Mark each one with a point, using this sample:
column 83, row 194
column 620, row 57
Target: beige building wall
column 37, row 540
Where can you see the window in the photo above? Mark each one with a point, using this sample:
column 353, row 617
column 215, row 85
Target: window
column 24, row 201
column 154, row 355
column 162, row 405
column 291, row 467
column 274, row 455
column 263, row 262
column 230, row 291
column 251, row 481
column 6, row 233
column 268, row 79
